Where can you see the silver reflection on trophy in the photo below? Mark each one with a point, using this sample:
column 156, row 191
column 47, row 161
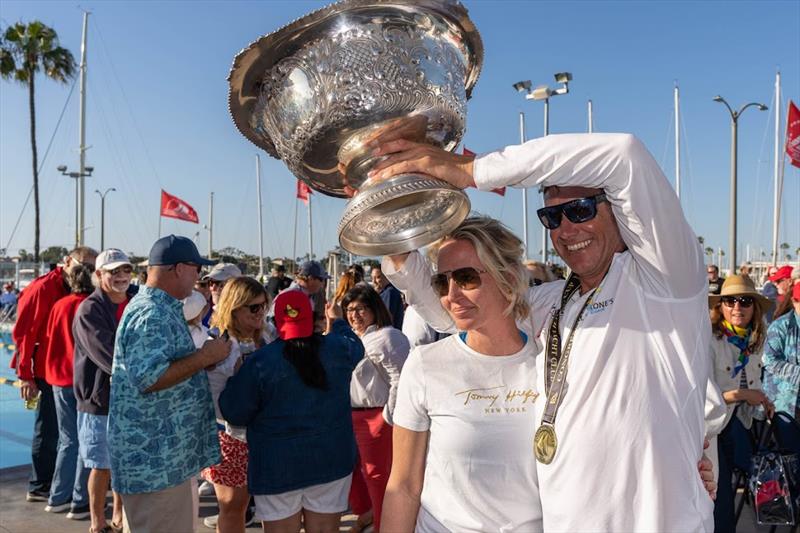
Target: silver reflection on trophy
column 318, row 92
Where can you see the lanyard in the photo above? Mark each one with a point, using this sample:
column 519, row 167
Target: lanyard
column 557, row 361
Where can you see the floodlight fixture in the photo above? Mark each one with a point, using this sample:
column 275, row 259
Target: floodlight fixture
column 563, row 77
column 522, row 86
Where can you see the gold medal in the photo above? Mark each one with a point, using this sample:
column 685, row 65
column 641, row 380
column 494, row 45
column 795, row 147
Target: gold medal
column 545, row 444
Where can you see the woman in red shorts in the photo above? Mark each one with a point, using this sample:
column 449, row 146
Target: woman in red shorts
column 239, row 312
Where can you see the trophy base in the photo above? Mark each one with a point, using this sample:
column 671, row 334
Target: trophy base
column 401, row 214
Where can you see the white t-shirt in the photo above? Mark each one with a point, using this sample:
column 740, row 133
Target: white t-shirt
column 480, row 473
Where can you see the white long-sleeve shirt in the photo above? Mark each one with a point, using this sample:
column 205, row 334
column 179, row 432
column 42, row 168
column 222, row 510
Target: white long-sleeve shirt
column 630, row 426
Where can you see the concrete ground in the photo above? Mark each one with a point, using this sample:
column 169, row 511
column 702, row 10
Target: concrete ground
column 19, row 516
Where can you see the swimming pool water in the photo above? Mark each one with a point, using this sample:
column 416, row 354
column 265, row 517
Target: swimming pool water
column 16, row 422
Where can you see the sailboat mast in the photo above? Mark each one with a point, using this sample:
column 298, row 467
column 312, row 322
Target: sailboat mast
column 260, row 222
column 677, row 143
column 778, row 178
column 82, row 135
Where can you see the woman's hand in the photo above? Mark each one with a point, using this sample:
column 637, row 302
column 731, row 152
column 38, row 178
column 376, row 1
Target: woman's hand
column 754, row 397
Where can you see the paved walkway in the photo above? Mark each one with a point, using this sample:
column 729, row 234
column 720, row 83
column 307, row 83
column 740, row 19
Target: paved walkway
column 19, row 516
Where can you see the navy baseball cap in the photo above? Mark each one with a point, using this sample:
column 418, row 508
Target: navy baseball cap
column 172, row 249
column 312, row 269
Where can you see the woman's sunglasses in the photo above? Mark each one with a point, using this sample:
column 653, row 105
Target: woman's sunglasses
column 255, row 308
column 744, row 301
column 466, row 278
column 576, row 211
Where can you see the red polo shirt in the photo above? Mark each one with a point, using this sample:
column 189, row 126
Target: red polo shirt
column 60, row 343
column 30, row 330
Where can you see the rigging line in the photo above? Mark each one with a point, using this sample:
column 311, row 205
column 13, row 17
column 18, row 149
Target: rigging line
column 122, row 154
column 688, row 165
column 116, row 159
column 667, row 140
column 41, row 164
column 758, row 221
column 127, row 103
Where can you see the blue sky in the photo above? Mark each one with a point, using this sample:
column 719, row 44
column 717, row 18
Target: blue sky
column 157, row 113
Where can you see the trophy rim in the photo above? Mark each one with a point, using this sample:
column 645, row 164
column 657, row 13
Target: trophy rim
column 256, row 56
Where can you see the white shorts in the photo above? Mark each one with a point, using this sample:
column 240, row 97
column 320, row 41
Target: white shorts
column 323, row 498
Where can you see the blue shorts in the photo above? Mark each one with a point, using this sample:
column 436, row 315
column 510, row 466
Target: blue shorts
column 93, row 441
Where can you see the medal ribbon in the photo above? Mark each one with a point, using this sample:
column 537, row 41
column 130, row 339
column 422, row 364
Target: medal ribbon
column 556, row 374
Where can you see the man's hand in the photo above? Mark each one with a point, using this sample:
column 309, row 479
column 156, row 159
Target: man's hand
column 215, row 350
column 409, row 157
column 398, row 260
column 28, row 390
column 706, row 470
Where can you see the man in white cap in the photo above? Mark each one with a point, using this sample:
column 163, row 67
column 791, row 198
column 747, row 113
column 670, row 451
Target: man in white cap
column 218, row 277
column 94, row 330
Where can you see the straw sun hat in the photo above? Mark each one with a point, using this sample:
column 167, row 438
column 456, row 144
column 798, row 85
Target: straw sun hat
column 738, row 286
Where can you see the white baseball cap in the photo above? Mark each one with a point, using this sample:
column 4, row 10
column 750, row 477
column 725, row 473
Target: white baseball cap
column 111, row 259
column 223, row 272
column 193, row 305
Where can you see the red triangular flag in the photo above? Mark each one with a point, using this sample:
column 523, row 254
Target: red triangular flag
column 303, row 191
column 793, row 134
column 500, row 190
column 174, row 207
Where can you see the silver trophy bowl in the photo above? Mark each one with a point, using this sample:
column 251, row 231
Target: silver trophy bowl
column 320, row 92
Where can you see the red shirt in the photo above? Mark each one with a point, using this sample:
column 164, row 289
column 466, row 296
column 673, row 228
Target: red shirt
column 60, row 343
column 30, row 330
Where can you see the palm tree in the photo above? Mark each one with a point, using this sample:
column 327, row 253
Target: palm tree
column 784, row 246
column 25, row 49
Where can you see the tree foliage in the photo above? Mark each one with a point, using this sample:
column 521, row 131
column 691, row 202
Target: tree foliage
column 26, row 49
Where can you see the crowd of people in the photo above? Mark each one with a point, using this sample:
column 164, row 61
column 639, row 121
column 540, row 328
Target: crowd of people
column 462, row 390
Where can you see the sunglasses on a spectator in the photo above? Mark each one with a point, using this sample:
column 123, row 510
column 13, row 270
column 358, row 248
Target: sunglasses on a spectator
column 256, row 308
column 466, row 278
column 121, row 270
column 744, row 301
column 576, row 211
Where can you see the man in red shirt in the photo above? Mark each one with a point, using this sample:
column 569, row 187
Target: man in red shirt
column 30, row 337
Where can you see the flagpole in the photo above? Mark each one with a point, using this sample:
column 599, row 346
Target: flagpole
column 159, row 220
column 310, row 232
column 210, row 224
column 525, row 190
column 260, row 223
column 294, row 242
column 778, row 177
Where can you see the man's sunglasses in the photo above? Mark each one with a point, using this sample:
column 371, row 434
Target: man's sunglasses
column 744, row 301
column 466, row 278
column 195, row 265
column 576, row 211
column 255, row 308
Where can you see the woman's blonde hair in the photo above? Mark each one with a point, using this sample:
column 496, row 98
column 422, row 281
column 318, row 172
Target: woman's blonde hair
column 501, row 253
column 235, row 294
column 758, row 333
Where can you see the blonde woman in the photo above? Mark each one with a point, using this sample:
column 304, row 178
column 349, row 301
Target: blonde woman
column 464, row 419
column 239, row 313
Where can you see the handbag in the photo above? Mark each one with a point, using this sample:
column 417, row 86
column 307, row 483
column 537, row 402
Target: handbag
column 774, row 483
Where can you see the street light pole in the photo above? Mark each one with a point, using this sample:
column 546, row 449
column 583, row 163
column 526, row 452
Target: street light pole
column 734, row 169
column 543, row 92
column 103, row 216
column 78, row 177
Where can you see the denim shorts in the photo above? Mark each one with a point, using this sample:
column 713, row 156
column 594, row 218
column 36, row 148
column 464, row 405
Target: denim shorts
column 93, row 441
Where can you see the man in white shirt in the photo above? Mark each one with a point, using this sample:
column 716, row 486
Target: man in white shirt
column 622, row 452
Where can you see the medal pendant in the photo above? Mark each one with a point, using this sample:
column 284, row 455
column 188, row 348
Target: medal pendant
column 545, row 444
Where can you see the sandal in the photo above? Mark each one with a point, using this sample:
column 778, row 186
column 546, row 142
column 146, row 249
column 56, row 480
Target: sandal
column 115, row 528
